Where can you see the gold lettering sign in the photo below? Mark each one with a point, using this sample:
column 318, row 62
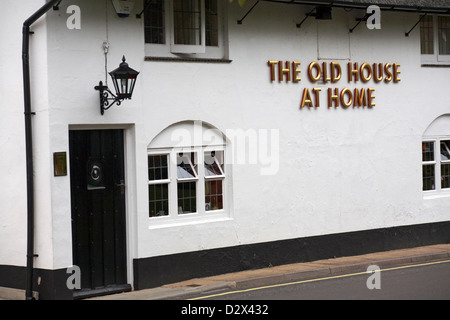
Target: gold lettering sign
column 331, row 72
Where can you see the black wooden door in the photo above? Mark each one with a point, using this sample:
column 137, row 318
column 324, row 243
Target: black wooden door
column 98, row 208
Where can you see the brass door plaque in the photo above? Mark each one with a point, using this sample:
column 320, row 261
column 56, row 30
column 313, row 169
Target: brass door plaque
column 60, row 164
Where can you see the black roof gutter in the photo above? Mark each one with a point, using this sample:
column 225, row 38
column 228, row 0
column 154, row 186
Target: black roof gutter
column 29, row 141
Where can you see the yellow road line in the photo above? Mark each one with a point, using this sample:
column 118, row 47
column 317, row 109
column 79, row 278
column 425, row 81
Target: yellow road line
column 318, row 279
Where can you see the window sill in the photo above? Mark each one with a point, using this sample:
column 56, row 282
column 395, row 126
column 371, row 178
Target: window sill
column 435, row 65
column 176, row 59
column 428, row 195
column 193, row 219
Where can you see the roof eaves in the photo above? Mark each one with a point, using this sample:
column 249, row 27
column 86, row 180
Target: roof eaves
column 423, row 6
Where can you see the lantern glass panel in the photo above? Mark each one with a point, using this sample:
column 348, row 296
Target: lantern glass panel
column 123, row 86
column 124, row 79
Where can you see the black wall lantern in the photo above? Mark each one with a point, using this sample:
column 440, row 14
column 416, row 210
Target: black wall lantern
column 124, row 79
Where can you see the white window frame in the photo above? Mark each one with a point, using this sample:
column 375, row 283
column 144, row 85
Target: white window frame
column 437, row 162
column 178, row 155
column 171, row 50
column 185, row 48
column 179, row 180
column 222, row 173
column 430, row 163
column 161, row 181
column 441, row 162
column 435, row 58
column 209, row 178
column 201, row 214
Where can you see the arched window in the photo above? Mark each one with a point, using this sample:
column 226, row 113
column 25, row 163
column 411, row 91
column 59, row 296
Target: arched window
column 187, row 171
column 436, row 156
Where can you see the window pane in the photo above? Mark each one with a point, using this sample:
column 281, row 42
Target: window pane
column 445, row 150
column 211, row 23
column 445, row 175
column 185, row 166
column 427, row 35
column 444, row 35
column 157, row 168
column 428, row 151
column 213, row 163
column 154, row 23
column 187, row 197
column 212, row 169
column 158, row 200
column 187, row 22
column 213, row 195
column 428, row 177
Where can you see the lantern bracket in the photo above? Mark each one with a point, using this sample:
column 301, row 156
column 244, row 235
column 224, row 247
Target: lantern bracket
column 105, row 97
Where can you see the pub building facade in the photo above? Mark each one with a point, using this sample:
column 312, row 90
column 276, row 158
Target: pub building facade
column 166, row 140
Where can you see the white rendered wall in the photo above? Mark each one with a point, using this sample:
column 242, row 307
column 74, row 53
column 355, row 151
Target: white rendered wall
column 13, row 200
column 339, row 170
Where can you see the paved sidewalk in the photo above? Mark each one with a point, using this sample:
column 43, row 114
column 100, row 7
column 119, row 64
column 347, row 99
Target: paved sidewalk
column 286, row 273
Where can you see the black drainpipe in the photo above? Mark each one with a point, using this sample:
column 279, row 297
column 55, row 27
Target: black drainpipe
column 29, row 141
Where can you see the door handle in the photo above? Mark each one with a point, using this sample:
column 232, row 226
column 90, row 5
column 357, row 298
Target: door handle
column 122, row 186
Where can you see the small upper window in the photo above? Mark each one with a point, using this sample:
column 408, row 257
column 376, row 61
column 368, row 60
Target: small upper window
column 189, row 27
column 435, row 39
column 154, row 24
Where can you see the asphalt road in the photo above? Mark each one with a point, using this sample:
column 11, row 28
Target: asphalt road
column 425, row 282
